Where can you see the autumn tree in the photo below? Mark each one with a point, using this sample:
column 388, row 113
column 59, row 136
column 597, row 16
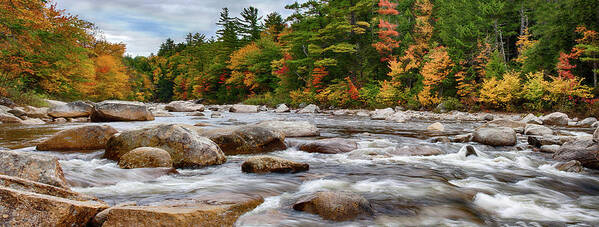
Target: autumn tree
column 387, row 33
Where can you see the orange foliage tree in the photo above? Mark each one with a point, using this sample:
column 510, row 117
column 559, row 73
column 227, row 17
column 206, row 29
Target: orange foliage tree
column 387, row 31
column 434, row 71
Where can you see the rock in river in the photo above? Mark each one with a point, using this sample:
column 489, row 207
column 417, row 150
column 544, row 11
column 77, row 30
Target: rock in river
column 146, row 157
column 537, row 130
column 329, row 146
column 293, row 128
column 28, row 203
column 35, row 167
column 309, row 109
column 92, row 137
column 213, row 210
column 238, row 108
column 499, row 136
column 382, row 114
column 571, row 166
column 416, row 150
column 336, row 206
column 72, row 109
column 186, row 147
column 584, row 151
column 247, row 139
column 557, row 118
column 184, row 106
column 282, row 108
column 108, row 111
column 270, row 164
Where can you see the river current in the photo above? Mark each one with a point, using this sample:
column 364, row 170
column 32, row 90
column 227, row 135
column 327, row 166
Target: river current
column 499, row 187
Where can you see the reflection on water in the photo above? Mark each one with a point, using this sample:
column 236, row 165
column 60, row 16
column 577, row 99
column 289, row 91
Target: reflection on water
column 494, row 187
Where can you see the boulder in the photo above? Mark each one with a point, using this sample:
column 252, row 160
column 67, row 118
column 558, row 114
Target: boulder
column 91, row 137
column 101, row 217
column 263, row 108
column 72, row 109
column 239, row 108
column 596, row 135
column 329, row 146
column 550, row 148
column 381, row 114
column 282, row 108
column 335, row 206
column 28, row 203
column 34, row 112
column 248, row 139
column 537, row 130
column 462, row 138
column 35, row 167
column 532, row 119
column 8, row 118
column 293, row 128
column 196, row 114
column 212, row 210
column 187, row 148
column 162, row 114
column 587, row 122
column 270, row 164
column 557, row 118
column 108, row 111
column 399, row 117
column 184, row 106
column 216, row 115
column 436, row 127
column 18, row 112
column 538, row 141
column 416, row 150
column 495, row 136
column 571, row 166
column 584, row 151
column 145, row 157
column 488, row 117
column 309, row 109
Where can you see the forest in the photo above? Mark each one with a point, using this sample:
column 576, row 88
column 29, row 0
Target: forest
column 474, row 55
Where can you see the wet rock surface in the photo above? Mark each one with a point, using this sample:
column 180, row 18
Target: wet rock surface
column 336, row 206
column 93, row 137
column 271, row 164
column 146, row 157
column 499, row 136
column 329, row 146
column 72, row 109
column 35, row 167
column 108, row 111
column 248, row 139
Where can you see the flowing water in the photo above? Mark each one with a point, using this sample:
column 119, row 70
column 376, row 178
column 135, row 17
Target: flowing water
column 499, row 187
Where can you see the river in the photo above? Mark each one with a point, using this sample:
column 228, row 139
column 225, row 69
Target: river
column 499, row 187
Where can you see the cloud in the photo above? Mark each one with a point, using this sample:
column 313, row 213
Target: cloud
column 144, row 24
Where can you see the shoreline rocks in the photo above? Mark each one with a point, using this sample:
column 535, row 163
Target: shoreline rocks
column 35, row 167
column 184, row 106
column 108, row 111
column 91, row 137
column 584, row 151
column 70, row 110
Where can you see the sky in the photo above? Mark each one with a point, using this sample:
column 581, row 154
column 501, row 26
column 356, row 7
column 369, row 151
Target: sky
column 144, row 24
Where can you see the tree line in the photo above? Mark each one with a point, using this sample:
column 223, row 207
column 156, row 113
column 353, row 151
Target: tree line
column 513, row 55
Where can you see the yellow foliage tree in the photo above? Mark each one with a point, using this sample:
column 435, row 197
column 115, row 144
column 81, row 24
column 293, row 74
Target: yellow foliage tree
column 434, row 71
column 501, row 93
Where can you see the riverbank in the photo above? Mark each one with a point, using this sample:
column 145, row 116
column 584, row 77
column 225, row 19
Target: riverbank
column 411, row 167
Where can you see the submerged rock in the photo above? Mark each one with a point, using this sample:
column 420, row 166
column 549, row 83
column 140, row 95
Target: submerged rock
column 335, row 206
column 500, row 136
column 584, row 151
column 416, row 150
column 108, row 111
column 329, row 146
column 239, row 108
column 571, row 166
column 72, row 109
column 92, row 137
column 270, row 164
column 293, row 128
column 248, row 139
column 186, row 147
column 28, row 203
column 145, row 157
column 35, row 167
column 557, row 118
column 214, row 210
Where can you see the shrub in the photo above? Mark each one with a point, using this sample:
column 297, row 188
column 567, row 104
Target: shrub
column 501, row 93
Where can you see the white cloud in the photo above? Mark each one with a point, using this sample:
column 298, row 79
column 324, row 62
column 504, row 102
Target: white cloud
column 144, row 24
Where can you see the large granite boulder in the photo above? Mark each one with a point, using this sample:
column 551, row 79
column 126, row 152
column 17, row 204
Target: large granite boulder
column 212, row 210
column 557, row 118
column 28, row 203
column 584, row 151
column 108, row 111
column 184, row 106
column 239, row 108
column 270, row 164
column 187, row 148
column 35, row 167
column 537, row 130
column 91, row 137
column 293, row 128
column 248, row 139
column 495, row 136
column 335, row 206
column 282, row 108
column 72, row 109
column 329, row 146
column 146, row 157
